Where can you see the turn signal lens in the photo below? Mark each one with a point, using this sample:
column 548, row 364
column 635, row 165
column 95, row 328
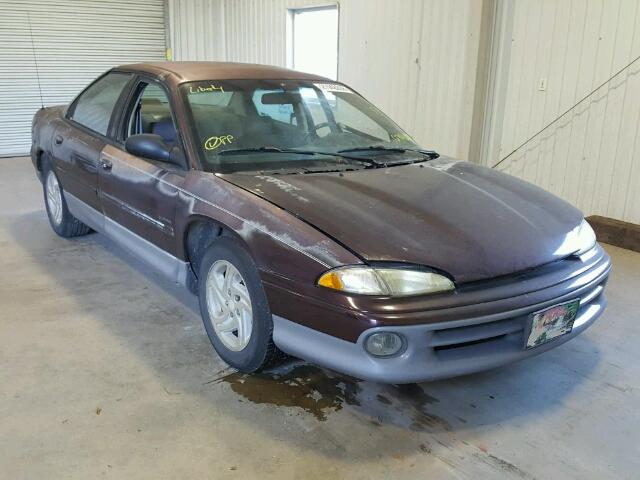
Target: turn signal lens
column 361, row 280
column 384, row 281
column 331, row 280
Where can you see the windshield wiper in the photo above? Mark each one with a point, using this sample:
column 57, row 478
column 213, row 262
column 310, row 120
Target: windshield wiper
column 241, row 151
column 381, row 148
column 306, row 170
column 432, row 154
column 374, row 148
column 369, row 162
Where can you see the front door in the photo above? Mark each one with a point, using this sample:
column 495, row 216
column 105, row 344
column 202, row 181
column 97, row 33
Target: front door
column 138, row 195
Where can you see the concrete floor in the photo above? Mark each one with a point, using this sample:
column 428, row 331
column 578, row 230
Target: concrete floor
column 105, row 371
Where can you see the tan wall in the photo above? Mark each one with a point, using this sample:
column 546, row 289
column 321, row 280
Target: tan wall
column 414, row 59
column 590, row 156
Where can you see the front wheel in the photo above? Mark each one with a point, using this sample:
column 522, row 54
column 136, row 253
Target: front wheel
column 234, row 307
column 60, row 218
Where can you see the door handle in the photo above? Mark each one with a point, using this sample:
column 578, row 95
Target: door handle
column 106, row 165
column 58, row 140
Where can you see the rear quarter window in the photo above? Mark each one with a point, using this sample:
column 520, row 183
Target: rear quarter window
column 94, row 107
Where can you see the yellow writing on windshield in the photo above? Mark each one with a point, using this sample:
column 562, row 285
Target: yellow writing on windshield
column 212, row 143
column 205, row 88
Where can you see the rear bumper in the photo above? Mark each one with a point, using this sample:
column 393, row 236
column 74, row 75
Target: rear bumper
column 450, row 348
column 34, row 160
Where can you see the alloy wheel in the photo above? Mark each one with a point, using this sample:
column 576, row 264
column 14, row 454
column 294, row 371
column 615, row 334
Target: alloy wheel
column 54, row 198
column 229, row 305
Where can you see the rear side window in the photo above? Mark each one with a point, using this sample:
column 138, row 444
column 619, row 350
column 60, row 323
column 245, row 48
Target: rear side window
column 95, row 106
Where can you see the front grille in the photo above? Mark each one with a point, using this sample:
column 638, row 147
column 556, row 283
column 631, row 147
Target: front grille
column 479, row 336
column 462, row 336
column 467, row 344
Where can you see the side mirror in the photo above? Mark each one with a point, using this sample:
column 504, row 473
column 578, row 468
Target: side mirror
column 148, row 145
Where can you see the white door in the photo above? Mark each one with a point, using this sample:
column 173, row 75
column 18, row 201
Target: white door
column 313, row 40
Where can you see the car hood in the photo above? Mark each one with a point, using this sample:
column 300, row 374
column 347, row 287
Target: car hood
column 469, row 221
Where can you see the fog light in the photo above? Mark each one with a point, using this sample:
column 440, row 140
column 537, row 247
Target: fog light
column 383, row 344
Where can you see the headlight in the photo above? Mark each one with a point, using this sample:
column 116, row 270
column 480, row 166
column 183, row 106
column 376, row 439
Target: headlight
column 384, row 281
column 586, row 238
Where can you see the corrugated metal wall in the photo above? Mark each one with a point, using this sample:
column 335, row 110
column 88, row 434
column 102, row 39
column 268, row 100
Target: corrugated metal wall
column 74, row 40
column 591, row 155
column 415, row 59
column 197, row 29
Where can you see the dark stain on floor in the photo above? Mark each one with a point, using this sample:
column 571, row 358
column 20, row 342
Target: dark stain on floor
column 411, row 401
column 303, row 386
column 320, row 393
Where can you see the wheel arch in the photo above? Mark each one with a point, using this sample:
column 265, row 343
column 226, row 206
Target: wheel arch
column 200, row 233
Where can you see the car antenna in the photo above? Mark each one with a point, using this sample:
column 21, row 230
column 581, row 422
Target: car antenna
column 35, row 59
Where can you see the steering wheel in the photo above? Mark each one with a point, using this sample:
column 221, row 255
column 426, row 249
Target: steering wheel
column 315, row 128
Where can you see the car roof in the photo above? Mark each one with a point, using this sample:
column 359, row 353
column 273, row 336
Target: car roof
column 179, row 72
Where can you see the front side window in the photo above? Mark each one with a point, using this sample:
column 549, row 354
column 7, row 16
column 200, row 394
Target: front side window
column 94, row 107
column 151, row 113
column 238, row 123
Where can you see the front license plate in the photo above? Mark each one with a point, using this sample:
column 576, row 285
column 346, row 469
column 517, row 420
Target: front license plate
column 551, row 323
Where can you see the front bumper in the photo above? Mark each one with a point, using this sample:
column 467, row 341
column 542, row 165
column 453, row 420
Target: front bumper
column 450, row 348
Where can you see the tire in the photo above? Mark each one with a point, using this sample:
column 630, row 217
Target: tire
column 60, row 219
column 252, row 353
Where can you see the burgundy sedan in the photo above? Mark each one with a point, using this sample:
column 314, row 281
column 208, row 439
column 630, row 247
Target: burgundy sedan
column 309, row 223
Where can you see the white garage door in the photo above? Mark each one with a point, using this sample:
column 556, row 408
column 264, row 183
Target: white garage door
column 74, row 41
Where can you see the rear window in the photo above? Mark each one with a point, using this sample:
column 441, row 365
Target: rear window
column 95, row 106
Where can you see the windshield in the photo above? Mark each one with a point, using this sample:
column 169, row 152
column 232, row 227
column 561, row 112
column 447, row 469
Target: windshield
column 289, row 125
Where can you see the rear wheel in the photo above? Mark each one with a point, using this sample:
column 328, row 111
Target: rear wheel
column 234, row 307
column 61, row 220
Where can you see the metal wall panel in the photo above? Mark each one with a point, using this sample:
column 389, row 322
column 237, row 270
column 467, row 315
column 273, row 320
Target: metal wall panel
column 591, row 155
column 75, row 41
column 415, row 59
column 197, row 29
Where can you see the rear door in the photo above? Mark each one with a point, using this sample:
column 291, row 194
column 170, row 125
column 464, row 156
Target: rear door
column 138, row 195
column 80, row 138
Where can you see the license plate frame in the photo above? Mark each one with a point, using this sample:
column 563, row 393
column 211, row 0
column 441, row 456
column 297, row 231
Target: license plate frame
column 544, row 326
